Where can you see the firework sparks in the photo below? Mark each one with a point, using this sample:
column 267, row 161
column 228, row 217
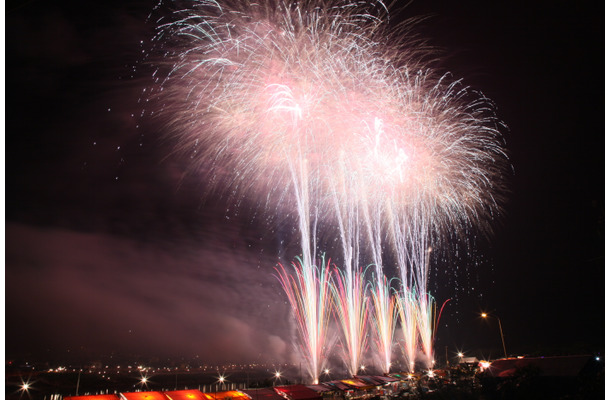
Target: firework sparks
column 351, row 302
column 315, row 107
column 383, row 320
column 258, row 90
column 309, row 294
column 408, row 321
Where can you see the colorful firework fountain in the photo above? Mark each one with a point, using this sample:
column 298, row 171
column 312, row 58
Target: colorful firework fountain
column 352, row 312
column 317, row 108
column 383, row 320
column 309, row 292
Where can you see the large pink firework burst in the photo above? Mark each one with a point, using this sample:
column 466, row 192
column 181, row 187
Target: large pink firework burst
column 256, row 88
column 319, row 107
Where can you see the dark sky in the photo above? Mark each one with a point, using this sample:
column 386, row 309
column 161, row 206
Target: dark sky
column 110, row 246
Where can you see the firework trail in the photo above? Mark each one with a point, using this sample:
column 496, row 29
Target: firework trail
column 318, row 107
column 309, row 294
column 351, row 301
column 405, row 301
column 383, row 318
column 424, row 311
column 411, row 246
column 383, row 321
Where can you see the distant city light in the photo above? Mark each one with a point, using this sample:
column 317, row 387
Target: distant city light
column 25, row 386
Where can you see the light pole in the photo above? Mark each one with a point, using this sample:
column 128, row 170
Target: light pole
column 78, row 380
column 25, row 388
column 221, row 380
column 327, row 372
column 484, row 315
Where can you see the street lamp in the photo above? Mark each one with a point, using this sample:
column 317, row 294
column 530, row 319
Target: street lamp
column 484, row 315
column 221, row 379
column 25, row 387
column 277, row 375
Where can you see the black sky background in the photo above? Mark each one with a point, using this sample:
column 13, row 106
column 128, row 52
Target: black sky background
column 110, row 246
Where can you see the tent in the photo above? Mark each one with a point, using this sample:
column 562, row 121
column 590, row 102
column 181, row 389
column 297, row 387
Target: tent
column 94, row 397
column 262, row 394
column 185, row 395
column 386, row 379
column 358, row 384
column 297, row 392
column 227, row 395
column 339, row 385
column 143, row 396
column 322, row 388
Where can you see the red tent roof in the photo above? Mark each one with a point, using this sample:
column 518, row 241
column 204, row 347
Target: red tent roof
column 185, row 395
column 226, row 395
column 320, row 388
column 263, row 394
column 386, row 379
column 371, row 380
column 297, row 392
column 94, row 397
column 144, row 396
column 339, row 385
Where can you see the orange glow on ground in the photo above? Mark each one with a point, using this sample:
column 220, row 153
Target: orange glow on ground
column 185, row 395
column 144, row 396
column 229, row 394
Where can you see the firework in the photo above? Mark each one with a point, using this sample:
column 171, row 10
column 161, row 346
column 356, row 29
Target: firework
column 407, row 312
column 352, row 310
column 319, row 109
column 309, row 294
column 260, row 94
column 383, row 320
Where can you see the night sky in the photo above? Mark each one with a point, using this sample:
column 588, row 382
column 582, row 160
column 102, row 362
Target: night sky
column 112, row 247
